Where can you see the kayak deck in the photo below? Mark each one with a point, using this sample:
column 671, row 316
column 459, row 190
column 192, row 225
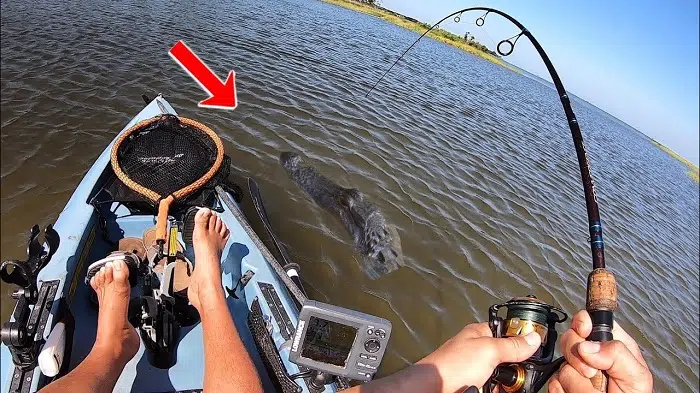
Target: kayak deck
column 83, row 242
column 139, row 375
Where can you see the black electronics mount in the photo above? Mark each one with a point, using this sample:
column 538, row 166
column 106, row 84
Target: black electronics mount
column 33, row 305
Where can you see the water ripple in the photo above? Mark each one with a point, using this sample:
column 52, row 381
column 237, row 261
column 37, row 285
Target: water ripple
column 473, row 164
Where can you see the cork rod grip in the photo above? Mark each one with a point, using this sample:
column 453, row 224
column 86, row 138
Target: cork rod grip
column 162, row 221
column 601, row 302
column 600, row 382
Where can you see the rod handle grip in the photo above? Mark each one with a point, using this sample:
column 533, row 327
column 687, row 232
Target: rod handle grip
column 600, row 382
column 601, row 302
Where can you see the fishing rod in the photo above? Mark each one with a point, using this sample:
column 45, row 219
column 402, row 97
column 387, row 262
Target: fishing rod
column 601, row 293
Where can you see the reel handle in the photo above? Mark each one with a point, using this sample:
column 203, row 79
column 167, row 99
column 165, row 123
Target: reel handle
column 601, row 302
column 524, row 315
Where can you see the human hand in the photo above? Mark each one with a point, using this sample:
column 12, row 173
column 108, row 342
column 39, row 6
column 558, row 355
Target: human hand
column 621, row 359
column 470, row 357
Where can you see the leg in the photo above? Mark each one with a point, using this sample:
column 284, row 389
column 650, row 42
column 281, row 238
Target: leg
column 116, row 342
column 227, row 365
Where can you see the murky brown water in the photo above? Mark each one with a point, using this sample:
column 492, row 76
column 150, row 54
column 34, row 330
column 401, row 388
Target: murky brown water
column 473, row 163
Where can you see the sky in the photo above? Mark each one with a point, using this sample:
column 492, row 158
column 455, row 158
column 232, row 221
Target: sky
column 637, row 60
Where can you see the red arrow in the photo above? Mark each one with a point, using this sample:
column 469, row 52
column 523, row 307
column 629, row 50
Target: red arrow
column 223, row 94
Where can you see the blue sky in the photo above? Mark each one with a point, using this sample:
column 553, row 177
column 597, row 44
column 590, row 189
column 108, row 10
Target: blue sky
column 637, row 60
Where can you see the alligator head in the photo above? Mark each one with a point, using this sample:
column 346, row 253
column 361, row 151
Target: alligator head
column 376, row 240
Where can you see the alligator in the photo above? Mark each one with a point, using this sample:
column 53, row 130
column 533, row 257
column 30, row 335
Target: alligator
column 377, row 241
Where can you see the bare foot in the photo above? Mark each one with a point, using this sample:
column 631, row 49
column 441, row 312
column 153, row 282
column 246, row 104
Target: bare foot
column 209, row 238
column 115, row 335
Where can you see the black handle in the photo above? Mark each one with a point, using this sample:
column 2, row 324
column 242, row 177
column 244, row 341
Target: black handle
column 602, row 326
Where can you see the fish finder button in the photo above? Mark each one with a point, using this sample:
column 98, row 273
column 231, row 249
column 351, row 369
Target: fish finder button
column 372, row 345
column 380, row 333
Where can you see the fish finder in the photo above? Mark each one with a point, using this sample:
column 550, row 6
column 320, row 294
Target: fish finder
column 339, row 341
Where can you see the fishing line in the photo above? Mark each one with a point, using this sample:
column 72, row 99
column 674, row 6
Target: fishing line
column 505, row 47
column 601, row 299
column 483, row 30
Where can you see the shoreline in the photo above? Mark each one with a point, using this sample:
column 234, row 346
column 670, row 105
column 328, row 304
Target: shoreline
column 416, row 26
column 459, row 43
column 694, row 171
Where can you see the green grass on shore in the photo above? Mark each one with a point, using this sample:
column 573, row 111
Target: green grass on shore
column 445, row 36
column 472, row 47
column 694, row 171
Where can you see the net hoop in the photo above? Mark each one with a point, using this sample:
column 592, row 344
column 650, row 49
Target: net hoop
column 183, row 192
column 164, row 201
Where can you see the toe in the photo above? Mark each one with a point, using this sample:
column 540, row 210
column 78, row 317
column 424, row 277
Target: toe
column 108, row 273
column 202, row 216
column 212, row 220
column 100, row 278
column 219, row 224
column 121, row 272
column 223, row 231
column 92, row 283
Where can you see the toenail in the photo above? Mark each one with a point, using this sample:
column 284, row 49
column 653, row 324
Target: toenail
column 118, row 264
column 109, row 264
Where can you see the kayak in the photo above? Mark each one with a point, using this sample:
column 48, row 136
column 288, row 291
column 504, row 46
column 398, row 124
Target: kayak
column 263, row 299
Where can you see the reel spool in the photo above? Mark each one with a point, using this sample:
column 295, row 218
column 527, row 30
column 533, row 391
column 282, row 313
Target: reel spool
column 525, row 315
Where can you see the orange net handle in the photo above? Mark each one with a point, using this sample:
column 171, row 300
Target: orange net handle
column 162, row 220
column 164, row 204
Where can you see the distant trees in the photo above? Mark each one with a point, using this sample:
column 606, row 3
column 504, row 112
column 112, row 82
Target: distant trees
column 471, row 41
column 445, row 35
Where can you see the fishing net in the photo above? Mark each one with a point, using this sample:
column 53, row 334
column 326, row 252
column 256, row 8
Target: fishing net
column 166, row 159
column 203, row 197
column 167, row 156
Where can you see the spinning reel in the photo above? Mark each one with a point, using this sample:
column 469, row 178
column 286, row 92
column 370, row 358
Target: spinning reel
column 525, row 315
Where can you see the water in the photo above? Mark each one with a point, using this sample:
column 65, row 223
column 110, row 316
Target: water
column 473, row 163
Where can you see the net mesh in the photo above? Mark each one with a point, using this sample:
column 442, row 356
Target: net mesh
column 166, row 155
column 204, row 197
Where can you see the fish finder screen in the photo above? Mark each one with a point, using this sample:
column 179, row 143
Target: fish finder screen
column 328, row 342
